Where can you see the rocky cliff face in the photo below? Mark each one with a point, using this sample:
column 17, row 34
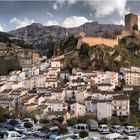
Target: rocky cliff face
column 39, row 36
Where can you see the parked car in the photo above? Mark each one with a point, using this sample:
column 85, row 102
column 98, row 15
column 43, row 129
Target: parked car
column 2, row 133
column 40, row 133
column 28, row 120
column 8, row 126
column 130, row 130
column 73, row 137
column 104, row 129
column 59, row 137
column 116, row 129
column 79, row 127
column 91, row 138
column 113, row 136
column 28, row 131
column 92, row 124
column 19, row 128
column 13, row 135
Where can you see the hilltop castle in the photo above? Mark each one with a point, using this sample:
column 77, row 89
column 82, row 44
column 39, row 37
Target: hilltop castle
column 131, row 25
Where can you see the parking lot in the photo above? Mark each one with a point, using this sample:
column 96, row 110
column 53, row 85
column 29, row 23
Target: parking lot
column 98, row 135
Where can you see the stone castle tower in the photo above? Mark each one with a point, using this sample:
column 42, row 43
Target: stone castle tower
column 130, row 21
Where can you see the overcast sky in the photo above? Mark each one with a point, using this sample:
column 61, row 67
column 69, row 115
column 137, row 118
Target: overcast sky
column 67, row 13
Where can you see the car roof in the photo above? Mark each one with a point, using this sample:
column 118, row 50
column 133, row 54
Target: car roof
column 130, row 126
column 103, row 125
column 116, row 125
column 11, row 132
column 113, row 135
column 81, row 124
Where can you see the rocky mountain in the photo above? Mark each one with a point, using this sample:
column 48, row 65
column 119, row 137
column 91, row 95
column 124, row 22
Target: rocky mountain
column 39, row 36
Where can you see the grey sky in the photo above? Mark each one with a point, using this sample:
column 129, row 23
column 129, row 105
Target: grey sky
column 16, row 14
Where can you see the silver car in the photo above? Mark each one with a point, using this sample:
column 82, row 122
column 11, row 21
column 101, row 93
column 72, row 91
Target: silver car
column 116, row 129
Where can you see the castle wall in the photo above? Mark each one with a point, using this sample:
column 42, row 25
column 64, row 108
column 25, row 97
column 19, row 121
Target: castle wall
column 92, row 41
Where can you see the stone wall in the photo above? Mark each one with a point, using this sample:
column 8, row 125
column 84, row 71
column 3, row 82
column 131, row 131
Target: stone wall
column 92, row 41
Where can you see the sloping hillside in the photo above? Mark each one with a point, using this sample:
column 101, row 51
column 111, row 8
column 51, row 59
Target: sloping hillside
column 9, row 52
column 102, row 57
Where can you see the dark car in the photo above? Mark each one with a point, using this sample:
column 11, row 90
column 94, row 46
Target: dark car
column 8, row 126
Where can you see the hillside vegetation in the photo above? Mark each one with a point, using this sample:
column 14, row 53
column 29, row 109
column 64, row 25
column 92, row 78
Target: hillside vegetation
column 9, row 60
column 102, row 57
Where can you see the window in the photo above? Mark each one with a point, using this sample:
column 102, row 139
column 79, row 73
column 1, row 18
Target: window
column 82, row 128
column 49, row 109
column 78, row 127
column 13, row 135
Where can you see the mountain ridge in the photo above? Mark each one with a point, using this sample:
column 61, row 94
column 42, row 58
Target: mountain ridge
column 39, row 36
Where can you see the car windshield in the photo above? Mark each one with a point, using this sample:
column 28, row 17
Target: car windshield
column 132, row 128
column 118, row 128
column 105, row 127
column 73, row 137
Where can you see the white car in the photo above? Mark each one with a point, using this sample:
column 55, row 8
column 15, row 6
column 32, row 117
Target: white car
column 28, row 131
column 13, row 135
column 104, row 129
column 79, row 127
column 130, row 130
column 20, row 129
column 91, row 138
column 116, row 129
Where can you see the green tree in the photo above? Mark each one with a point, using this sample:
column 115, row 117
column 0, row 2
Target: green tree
column 114, row 121
column 135, row 27
column 2, row 119
column 28, row 125
column 60, row 119
column 83, row 134
column 134, row 121
column 13, row 122
column 84, row 49
column 72, row 121
column 63, row 131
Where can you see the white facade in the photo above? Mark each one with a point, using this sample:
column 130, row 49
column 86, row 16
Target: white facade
column 121, row 105
column 91, row 106
column 78, row 109
column 55, row 64
column 108, row 77
column 55, row 105
column 104, row 110
column 51, row 83
column 131, row 76
column 106, row 87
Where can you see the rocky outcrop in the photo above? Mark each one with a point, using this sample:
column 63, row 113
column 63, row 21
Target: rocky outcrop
column 39, row 36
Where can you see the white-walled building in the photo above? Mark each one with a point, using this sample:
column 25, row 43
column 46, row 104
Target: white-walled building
column 131, row 75
column 104, row 109
column 108, row 77
column 55, row 64
column 121, row 105
column 55, row 105
column 106, row 87
column 77, row 109
column 51, row 83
